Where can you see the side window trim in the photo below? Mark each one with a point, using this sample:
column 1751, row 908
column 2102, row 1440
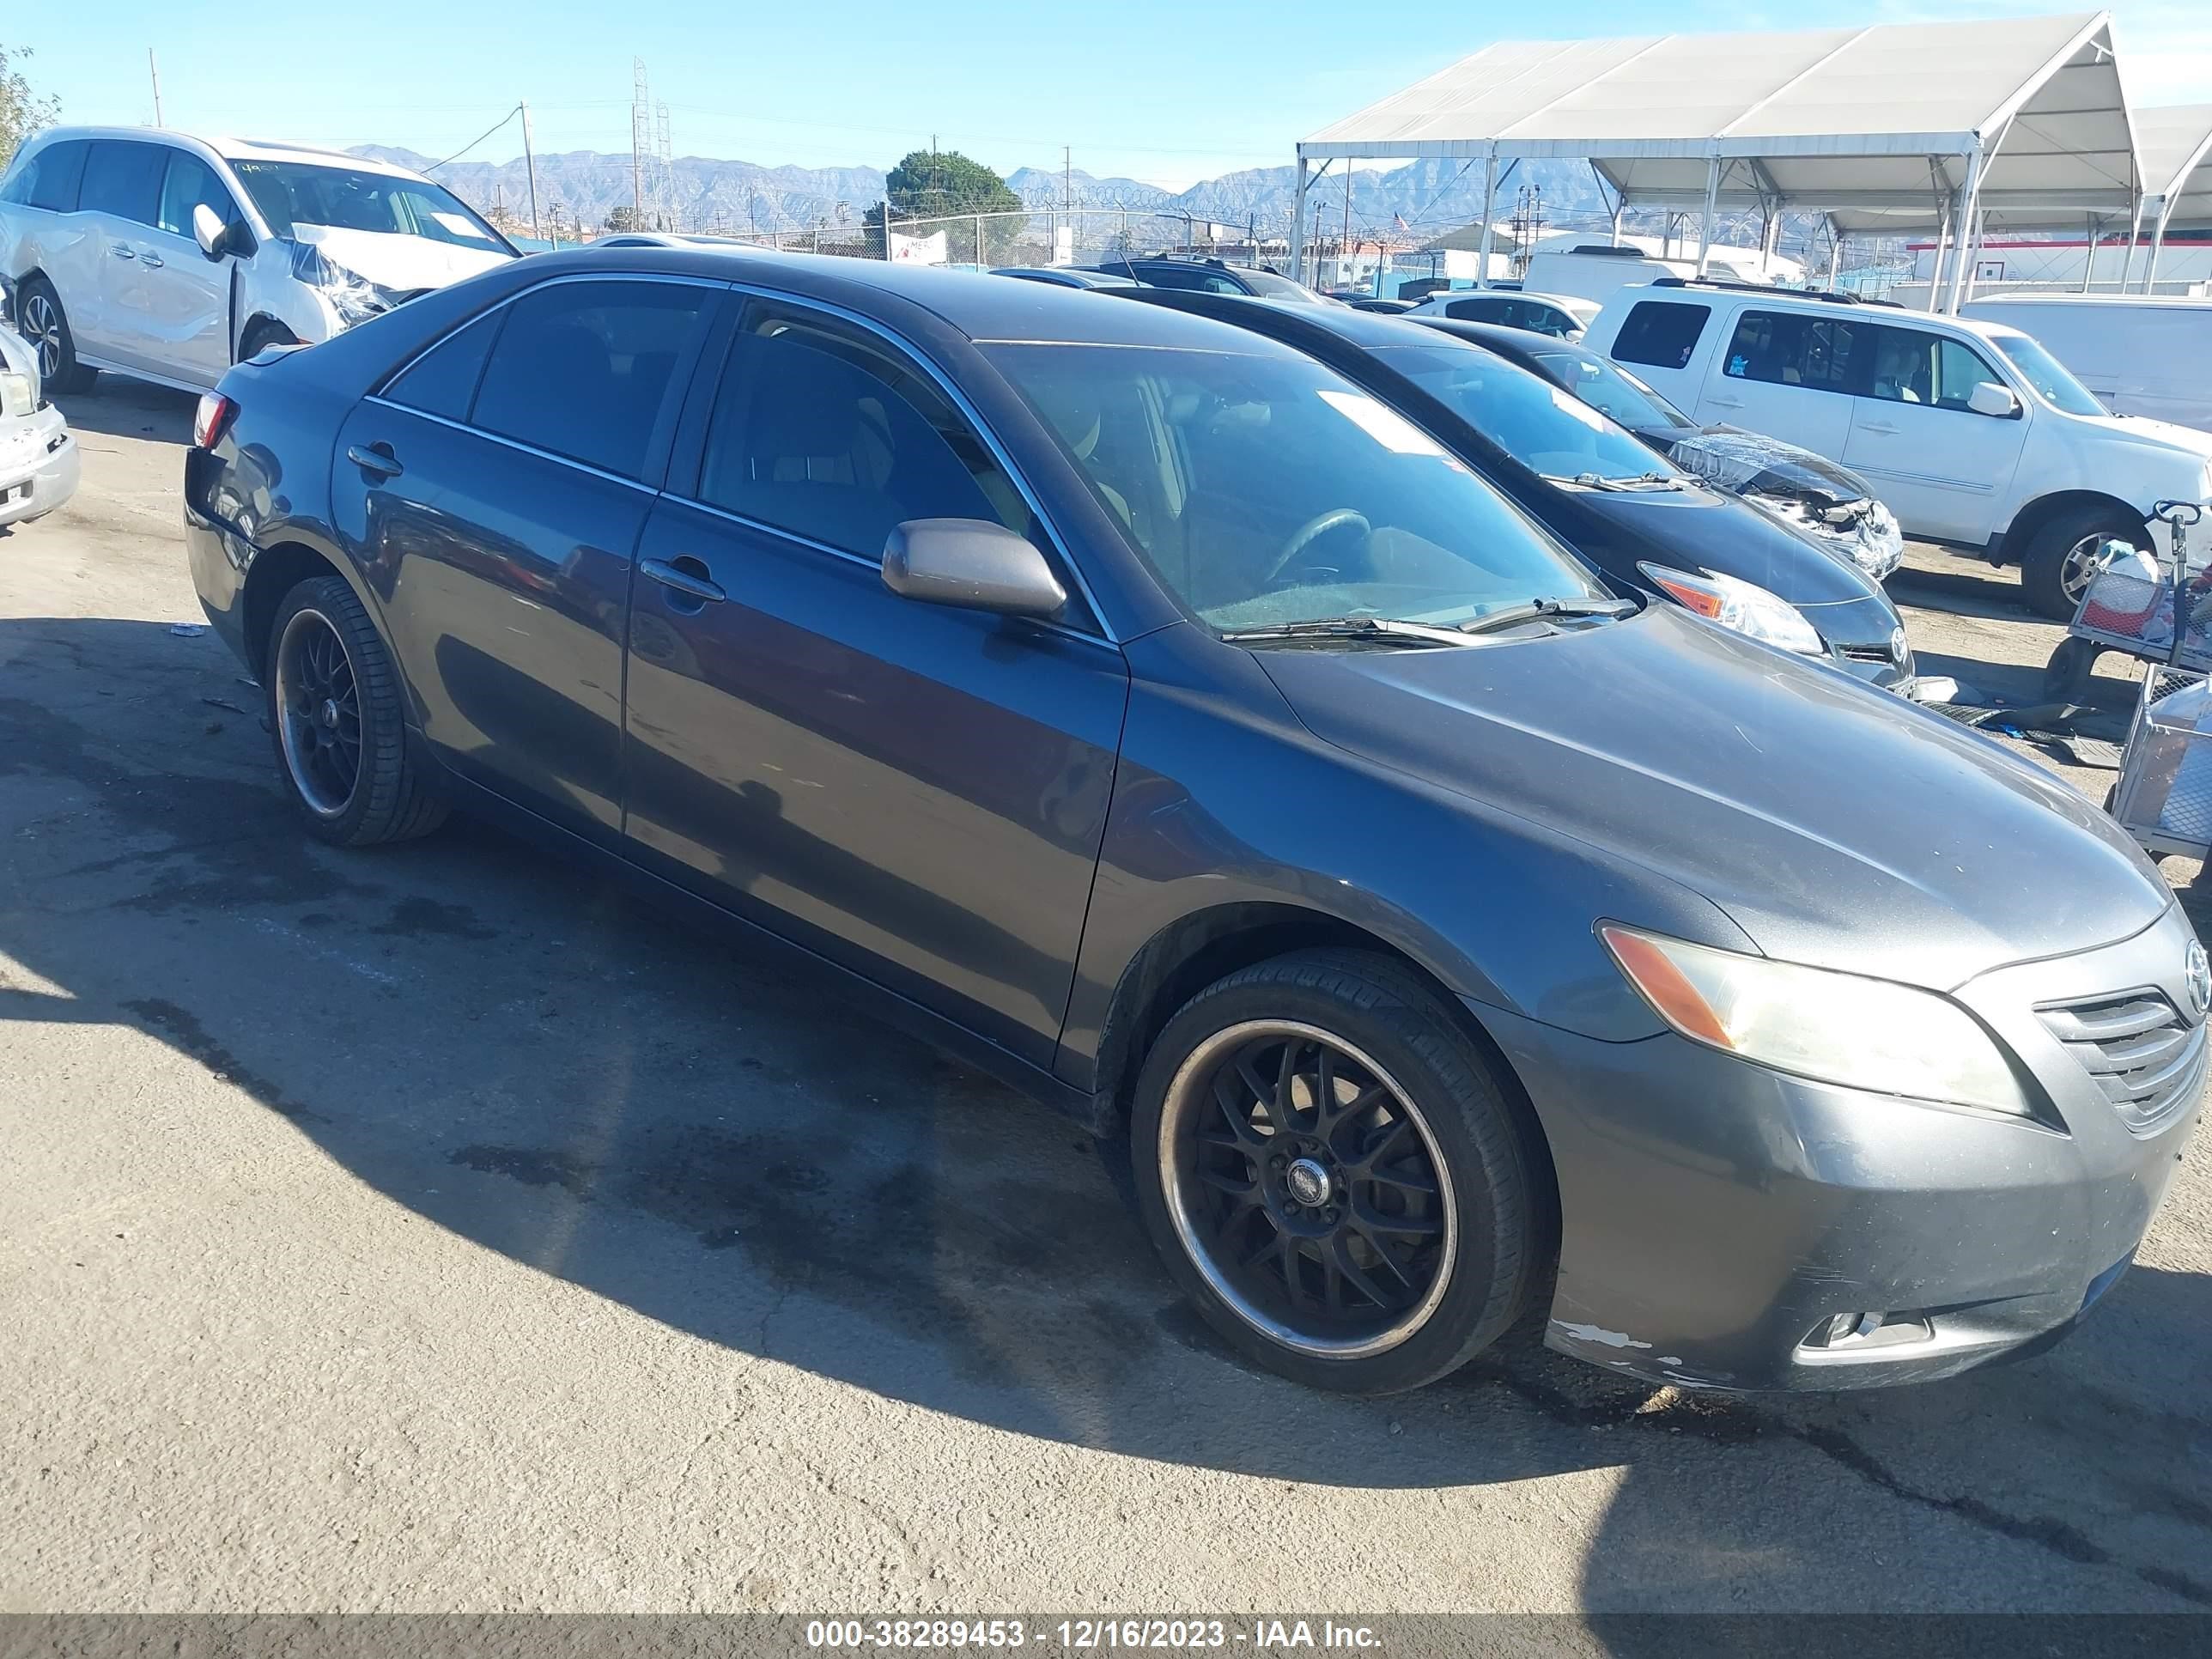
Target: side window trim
column 684, row 485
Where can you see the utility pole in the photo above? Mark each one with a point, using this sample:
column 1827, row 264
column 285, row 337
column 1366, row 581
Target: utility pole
column 530, row 166
column 638, row 111
column 154, row 70
column 887, row 225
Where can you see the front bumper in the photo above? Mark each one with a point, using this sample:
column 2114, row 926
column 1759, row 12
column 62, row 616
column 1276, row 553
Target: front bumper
column 1865, row 639
column 39, row 465
column 1720, row 1220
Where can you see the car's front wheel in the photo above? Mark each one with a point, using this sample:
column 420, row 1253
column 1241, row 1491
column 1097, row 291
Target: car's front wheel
column 2055, row 570
column 45, row 326
column 1331, row 1172
column 334, row 711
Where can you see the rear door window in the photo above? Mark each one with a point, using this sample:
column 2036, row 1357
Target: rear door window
column 1788, row 348
column 124, row 179
column 583, row 369
column 1662, row 333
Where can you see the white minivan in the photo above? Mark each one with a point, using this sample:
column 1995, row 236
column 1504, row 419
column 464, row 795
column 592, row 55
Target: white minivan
column 2141, row 354
column 168, row 258
column 1974, row 434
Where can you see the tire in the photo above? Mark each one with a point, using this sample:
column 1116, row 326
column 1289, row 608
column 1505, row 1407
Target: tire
column 45, row 326
column 327, row 673
column 2066, row 676
column 261, row 335
column 2051, row 567
column 1462, row 1252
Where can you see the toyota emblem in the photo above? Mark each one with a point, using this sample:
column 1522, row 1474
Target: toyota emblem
column 2198, row 973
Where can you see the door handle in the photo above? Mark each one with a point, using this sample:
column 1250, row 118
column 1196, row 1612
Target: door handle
column 375, row 457
column 152, row 261
column 122, row 253
column 1725, row 402
column 686, row 575
column 1883, row 427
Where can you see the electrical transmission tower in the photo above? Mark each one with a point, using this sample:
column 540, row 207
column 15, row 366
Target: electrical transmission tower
column 641, row 110
column 665, row 175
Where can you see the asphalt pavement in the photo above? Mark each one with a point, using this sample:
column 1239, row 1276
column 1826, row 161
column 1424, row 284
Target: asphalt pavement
column 433, row 1229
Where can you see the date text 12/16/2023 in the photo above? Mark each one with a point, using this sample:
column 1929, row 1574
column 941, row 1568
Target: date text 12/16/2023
column 1089, row 1635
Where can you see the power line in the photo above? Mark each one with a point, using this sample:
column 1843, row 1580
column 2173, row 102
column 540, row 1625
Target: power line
column 479, row 139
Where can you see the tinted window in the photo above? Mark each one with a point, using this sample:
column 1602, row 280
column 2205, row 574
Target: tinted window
column 190, row 183
column 582, row 368
column 821, row 430
column 443, row 380
column 124, row 179
column 1265, row 490
column 1485, row 310
column 1661, row 332
column 1268, row 285
column 1189, row 277
column 49, row 180
column 1784, row 348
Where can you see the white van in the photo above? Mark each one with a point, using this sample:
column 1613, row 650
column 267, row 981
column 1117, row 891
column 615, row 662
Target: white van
column 1598, row 270
column 2141, row 354
column 1974, row 434
column 168, row 258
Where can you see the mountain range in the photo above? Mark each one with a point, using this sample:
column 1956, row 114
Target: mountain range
column 705, row 193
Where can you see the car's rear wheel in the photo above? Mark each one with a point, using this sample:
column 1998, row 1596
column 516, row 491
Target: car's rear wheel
column 335, row 715
column 261, row 335
column 1331, row 1172
column 2061, row 557
column 45, row 326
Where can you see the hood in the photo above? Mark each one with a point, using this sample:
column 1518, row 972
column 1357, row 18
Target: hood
column 1751, row 462
column 1835, row 824
column 395, row 261
column 2163, row 435
column 1697, row 529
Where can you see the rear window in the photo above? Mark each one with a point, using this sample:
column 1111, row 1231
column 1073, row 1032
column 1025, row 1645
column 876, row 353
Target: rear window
column 124, row 180
column 1662, row 333
column 50, row 178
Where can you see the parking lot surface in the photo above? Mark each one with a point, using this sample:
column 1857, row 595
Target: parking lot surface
column 433, row 1229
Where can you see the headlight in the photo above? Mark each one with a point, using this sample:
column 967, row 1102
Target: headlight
column 354, row 298
column 19, row 394
column 1745, row 607
column 1839, row 1028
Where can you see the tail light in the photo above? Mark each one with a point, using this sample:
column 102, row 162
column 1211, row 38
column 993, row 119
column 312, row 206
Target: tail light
column 212, row 419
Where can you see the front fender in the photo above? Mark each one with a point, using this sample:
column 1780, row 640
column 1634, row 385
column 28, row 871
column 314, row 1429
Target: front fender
column 1222, row 798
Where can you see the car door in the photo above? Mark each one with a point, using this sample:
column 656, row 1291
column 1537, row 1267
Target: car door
column 1786, row 373
column 1942, row 469
column 184, row 332
column 493, row 491
column 915, row 791
column 118, row 197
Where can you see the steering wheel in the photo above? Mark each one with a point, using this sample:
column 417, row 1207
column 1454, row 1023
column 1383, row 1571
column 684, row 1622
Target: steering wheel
column 1337, row 518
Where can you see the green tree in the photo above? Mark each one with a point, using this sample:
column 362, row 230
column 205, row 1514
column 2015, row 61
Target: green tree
column 22, row 112
column 621, row 218
column 944, row 184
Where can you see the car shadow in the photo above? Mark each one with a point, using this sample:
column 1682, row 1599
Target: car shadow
column 119, row 407
column 531, row 1060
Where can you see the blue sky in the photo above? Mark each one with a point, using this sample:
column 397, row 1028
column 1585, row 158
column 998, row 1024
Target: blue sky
column 1163, row 90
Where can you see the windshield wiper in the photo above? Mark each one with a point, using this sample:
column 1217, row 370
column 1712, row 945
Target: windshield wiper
column 1641, row 481
column 1349, row 627
column 1540, row 610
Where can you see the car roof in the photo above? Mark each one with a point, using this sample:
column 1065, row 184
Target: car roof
column 977, row 304
column 1369, row 330
column 232, row 149
column 1514, row 343
column 1894, row 316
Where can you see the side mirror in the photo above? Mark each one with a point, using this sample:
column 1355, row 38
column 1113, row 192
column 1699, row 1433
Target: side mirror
column 971, row 562
column 1999, row 402
column 215, row 238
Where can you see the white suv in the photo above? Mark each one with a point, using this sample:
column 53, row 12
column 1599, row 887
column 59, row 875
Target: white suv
column 1972, row 433
column 170, row 258
column 1560, row 315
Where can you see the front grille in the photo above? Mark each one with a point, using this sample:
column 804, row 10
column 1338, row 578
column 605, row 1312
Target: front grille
column 2148, row 1059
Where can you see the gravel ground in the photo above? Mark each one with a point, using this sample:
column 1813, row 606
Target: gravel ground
column 432, row 1230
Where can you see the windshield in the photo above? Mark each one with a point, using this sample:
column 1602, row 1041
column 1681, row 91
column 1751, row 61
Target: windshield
column 1536, row 423
column 1264, row 491
column 294, row 193
column 1611, row 391
column 2051, row 378
column 1268, row 286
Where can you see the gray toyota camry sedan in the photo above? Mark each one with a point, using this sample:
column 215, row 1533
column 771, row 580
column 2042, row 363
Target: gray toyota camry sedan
column 1155, row 717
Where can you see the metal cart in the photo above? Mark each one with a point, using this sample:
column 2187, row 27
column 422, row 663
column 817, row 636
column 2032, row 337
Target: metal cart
column 2131, row 606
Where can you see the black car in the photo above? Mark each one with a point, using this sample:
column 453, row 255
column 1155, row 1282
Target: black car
column 1139, row 707
column 1375, row 303
column 1065, row 275
column 1830, row 503
column 1642, row 520
column 1214, row 276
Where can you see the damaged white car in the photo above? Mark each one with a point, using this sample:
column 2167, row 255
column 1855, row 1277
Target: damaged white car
column 38, row 457
column 168, row 258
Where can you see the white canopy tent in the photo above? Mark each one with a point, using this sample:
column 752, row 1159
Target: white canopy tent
column 2176, row 144
column 1885, row 127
